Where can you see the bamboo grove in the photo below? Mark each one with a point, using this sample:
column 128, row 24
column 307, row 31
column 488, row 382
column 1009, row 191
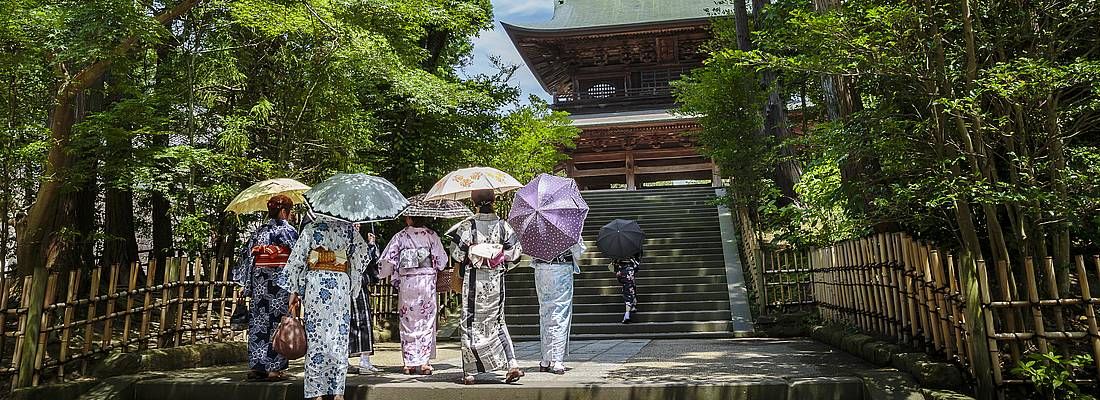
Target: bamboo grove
column 971, row 124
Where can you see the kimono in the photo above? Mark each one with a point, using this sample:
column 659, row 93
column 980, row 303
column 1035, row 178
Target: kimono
column 625, row 271
column 486, row 344
column 412, row 259
column 554, row 287
column 326, row 299
column 262, row 259
column 361, row 338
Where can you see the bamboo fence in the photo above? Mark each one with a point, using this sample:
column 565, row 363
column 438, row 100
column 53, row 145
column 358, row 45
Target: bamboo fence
column 91, row 312
column 893, row 286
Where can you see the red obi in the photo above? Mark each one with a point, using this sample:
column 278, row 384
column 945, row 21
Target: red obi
column 271, row 256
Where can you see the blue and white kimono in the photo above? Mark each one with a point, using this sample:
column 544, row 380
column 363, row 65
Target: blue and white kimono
column 554, row 286
column 326, row 301
column 269, row 300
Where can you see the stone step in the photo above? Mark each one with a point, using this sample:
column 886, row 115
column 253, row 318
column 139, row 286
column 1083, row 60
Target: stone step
column 650, row 219
column 666, row 335
column 657, row 247
column 690, row 305
column 668, row 226
column 643, row 298
column 642, row 280
column 612, row 317
column 700, row 207
column 652, row 271
column 617, row 327
column 614, row 289
column 648, row 197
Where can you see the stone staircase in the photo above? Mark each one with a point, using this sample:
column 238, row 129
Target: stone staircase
column 682, row 290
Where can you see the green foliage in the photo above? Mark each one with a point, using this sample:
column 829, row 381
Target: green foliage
column 532, row 143
column 236, row 91
column 1053, row 375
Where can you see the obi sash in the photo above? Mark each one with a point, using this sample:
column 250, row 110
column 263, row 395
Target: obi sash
column 271, row 256
column 322, row 259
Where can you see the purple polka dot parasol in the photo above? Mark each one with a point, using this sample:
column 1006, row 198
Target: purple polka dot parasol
column 548, row 214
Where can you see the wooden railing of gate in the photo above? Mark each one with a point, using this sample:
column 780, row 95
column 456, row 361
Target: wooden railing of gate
column 90, row 312
column 894, row 286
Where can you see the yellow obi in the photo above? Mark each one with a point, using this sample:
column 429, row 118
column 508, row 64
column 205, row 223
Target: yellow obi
column 322, row 259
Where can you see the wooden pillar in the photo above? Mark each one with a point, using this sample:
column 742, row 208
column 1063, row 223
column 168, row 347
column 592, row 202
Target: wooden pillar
column 631, row 184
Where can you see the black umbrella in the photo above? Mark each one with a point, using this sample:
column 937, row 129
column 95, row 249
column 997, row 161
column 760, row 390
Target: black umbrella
column 620, row 239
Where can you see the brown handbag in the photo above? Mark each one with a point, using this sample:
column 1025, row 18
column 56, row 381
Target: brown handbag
column 444, row 281
column 290, row 338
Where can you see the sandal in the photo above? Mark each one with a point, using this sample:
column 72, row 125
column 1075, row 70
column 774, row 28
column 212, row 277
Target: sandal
column 408, row 371
column 513, row 375
column 544, row 368
column 469, row 380
column 426, row 370
column 277, row 377
column 255, row 376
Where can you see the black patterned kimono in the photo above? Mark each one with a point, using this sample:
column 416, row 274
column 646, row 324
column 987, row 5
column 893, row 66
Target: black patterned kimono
column 261, row 262
column 625, row 271
column 360, row 337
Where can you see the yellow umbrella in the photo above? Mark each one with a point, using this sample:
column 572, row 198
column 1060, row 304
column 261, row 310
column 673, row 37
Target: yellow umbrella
column 459, row 184
column 256, row 196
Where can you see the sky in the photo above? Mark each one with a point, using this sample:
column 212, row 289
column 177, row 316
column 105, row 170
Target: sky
column 497, row 43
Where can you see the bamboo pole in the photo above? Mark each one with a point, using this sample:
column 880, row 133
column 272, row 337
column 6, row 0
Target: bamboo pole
column 915, row 324
column 129, row 306
column 108, row 328
column 221, row 306
column 5, row 286
column 66, row 333
column 941, row 304
column 44, row 333
column 171, row 265
column 181, row 294
column 1036, row 310
column 147, row 312
column 212, row 280
column 21, row 332
column 1052, row 288
column 89, row 328
column 1010, row 315
column 1090, row 312
column 196, row 289
column 956, row 310
column 990, row 330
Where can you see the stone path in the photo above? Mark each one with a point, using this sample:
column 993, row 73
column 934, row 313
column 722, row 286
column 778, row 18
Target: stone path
column 602, row 369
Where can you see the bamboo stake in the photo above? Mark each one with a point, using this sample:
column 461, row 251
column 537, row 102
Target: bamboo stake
column 1036, row 310
column 990, row 330
column 66, row 333
column 5, row 286
column 89, row 328
column 1090, row 312
column 21, row 332
column 212, row 279
column 941, row 304
column 129, row 306
column 147, row 313
column 1052, row 287
column 44, row 333
column 1011, row 314
column 108, row 329
column 165, row 298
column 181, row 294
column 196, row 279
column 221, row 306
column 915, row 317
column 956, row 310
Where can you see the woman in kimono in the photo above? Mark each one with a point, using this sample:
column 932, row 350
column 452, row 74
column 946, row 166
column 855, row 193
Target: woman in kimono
column 486, row 247
column 412, row 260
column 325, row 262
column 262, row 259
column 625, row 271
column 361, row 336
column 554, row 286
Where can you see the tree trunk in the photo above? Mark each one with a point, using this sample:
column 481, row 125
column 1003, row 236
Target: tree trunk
column 160, row 205
column 42, row 241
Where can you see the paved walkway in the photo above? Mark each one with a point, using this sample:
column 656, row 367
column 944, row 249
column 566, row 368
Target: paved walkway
column 603, row 369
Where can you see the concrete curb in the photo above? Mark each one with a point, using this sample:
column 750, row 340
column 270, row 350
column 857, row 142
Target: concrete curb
column 939, row 377
column 112, row 378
